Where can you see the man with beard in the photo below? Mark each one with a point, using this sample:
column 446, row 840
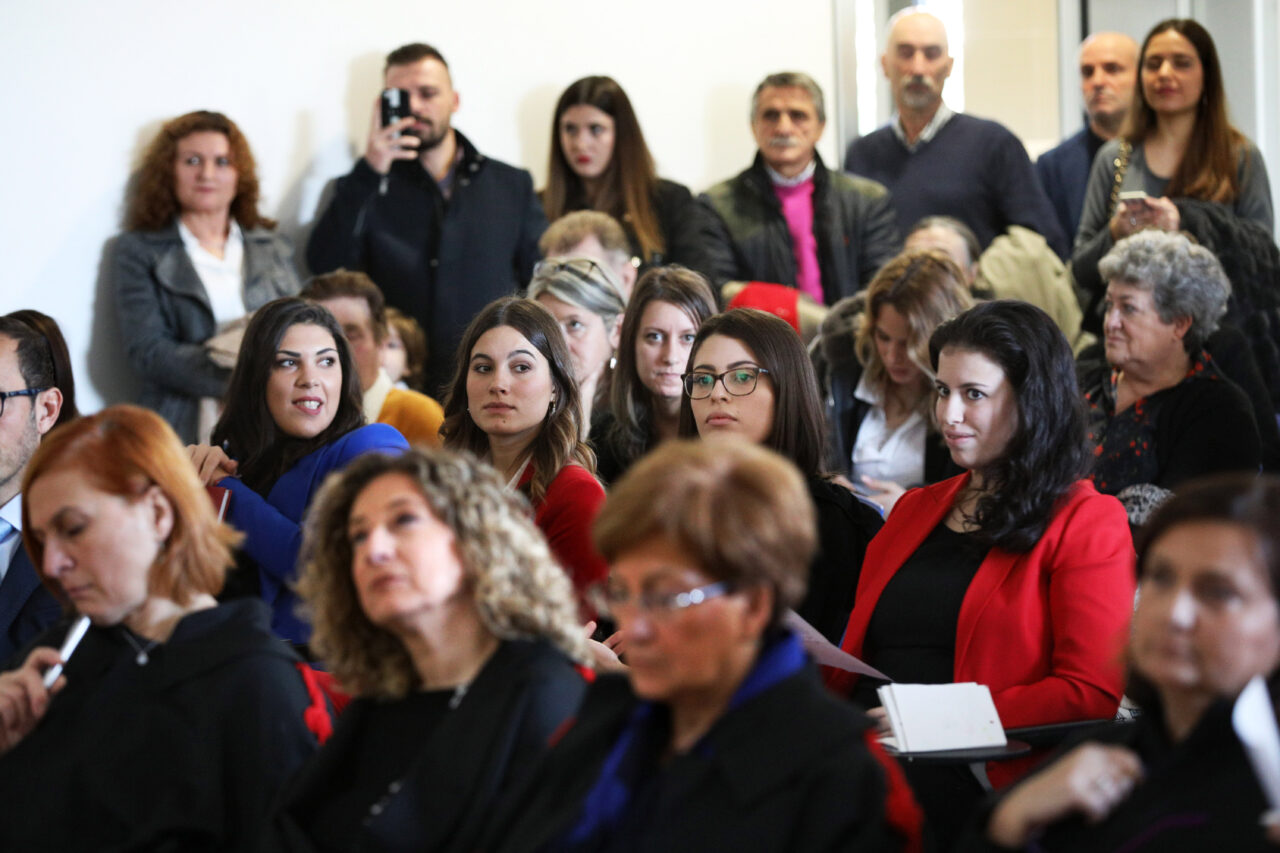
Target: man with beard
column 1108, row 72
column 788, row 219
column 937, row 162
column 443, row 229
column 30, row 403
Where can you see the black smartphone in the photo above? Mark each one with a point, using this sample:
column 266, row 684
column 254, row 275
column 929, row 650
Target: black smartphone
column 395, row 105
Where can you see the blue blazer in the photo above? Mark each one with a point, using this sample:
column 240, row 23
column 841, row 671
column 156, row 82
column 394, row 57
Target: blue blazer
column 273, row 524
column 26, row 607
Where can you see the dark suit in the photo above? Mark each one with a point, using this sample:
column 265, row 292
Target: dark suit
column 26, row 607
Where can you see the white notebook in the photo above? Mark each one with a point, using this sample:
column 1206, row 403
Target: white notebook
column 934, row 717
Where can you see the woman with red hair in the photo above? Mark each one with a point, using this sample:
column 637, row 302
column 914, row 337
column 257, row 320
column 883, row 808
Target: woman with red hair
column 176, row 718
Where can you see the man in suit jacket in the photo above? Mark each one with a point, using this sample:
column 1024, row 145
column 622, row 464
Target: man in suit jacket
column 31, row 404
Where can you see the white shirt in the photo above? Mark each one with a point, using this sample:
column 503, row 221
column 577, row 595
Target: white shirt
column 223, row 278
column 12, row 513
column 375, row 396
column 941, row 117
column 898, row 455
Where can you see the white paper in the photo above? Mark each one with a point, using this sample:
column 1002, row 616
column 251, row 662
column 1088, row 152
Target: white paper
column 1254, row 720
column 934, row 717
column 826, row 654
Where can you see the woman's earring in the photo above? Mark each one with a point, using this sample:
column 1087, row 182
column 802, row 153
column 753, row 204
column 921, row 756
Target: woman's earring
column 613, row 362
column 551, row 409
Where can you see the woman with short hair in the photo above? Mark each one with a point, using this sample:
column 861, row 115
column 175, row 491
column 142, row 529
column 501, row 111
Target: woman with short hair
column 431, row 592
column 1160, row 411
column 719, row 736
column 1206, row 627
column 588, row 304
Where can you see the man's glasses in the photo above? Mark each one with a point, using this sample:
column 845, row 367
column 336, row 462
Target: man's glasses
column 739, row 382
column 25, row 392
column 609, row 599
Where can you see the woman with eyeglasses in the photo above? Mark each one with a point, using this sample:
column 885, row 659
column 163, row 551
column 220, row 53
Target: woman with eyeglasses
column 719, row 736
column 750, row 378
column 599, row 161
column 513, row 403
column 666, row 308
column 587, row 301
column 1016, row 574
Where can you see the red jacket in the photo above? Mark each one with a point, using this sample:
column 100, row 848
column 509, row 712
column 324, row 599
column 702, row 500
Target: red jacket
column 565, row 515
column 1045, row 630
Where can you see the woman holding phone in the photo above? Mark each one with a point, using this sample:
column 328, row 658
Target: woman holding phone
column 1176, row 152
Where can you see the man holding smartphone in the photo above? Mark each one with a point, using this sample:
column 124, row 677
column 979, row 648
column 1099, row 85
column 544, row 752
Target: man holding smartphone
column 443, row 229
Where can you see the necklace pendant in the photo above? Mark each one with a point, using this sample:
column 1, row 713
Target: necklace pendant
column 142, row 658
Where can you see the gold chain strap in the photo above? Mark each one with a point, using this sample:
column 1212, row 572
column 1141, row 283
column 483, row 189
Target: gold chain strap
column 1122, row 165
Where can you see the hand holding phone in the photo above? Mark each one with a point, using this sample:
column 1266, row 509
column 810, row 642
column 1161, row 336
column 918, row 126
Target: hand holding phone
column 388, row 140
column 394, row 105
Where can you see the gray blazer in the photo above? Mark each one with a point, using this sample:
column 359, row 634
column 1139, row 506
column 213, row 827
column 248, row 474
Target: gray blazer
column 165, row 316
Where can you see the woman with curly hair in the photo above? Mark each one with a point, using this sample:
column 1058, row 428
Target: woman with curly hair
column 437, row 604
column 667, row 307
column 514, row 403
column 196, row 255
column 599, row 161
column 1016, row 574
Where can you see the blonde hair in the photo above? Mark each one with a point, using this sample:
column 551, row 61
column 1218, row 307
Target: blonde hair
column 927, row 288
column 520, row 592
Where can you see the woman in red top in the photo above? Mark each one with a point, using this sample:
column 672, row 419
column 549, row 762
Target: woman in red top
column 1017, row 574
column 514, row 402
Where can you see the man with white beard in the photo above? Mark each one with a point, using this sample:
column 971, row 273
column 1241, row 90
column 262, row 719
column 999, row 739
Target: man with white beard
column 790, row 220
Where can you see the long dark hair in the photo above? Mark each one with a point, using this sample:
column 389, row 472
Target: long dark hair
column 1208, row 169
column 630, row 180
column 798, row 427
column 1246, row 500
column 630, row 402
column 558, row 442
column 1047, row 453
column 246, row 429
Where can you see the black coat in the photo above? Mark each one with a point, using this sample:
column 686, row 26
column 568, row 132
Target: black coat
column 1197, row 795
column 439, row 262
column 787, row 770
column 853, row 220
column 184, row 753
column 845, row 527
column 495, row 736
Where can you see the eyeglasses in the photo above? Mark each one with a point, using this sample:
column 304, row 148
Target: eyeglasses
column 608, row 599
column 739, row 382
column 25, row 392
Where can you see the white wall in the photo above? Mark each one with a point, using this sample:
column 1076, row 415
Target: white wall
column 86, row 85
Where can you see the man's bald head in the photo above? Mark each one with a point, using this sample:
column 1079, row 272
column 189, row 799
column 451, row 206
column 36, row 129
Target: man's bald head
column 916, row 60
column 1108, row 73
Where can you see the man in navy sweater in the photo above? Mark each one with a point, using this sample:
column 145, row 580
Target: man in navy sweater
column 938, row 162
column 1108, row 72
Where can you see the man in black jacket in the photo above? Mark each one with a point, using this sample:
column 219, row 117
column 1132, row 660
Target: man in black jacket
column 443, row 229
column 790, row 220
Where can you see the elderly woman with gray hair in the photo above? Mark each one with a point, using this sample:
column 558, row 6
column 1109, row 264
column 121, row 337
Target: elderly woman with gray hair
column 1160, row 410
column 587, row 301
column 437, row 604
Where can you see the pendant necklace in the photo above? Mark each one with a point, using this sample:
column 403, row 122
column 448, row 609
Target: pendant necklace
column 143, row 658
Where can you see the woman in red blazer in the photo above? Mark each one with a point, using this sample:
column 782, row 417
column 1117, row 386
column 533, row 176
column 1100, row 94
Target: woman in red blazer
column 1017, row 574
